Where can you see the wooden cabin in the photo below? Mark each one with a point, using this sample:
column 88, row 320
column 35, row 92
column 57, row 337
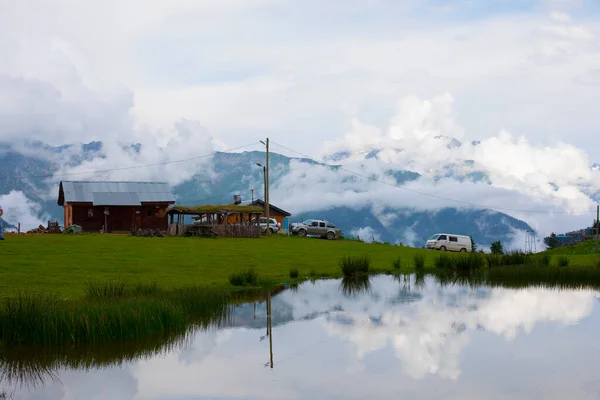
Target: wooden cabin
column 115, row 206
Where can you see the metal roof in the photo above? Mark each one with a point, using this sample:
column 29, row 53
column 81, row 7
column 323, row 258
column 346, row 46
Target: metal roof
column 108, row 193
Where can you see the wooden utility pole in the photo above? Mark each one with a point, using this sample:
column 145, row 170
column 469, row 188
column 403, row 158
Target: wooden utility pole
column 267, row 204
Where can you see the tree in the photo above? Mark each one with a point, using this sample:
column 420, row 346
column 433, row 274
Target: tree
column 496, row 247
column 473, row 245
column 552, row 242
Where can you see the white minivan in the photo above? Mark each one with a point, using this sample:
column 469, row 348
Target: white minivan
column 449, row 242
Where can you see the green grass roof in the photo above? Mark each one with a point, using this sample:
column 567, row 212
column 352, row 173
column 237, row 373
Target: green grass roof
column 209, row 208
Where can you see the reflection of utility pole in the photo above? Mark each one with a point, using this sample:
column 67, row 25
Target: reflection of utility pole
column 270, row 327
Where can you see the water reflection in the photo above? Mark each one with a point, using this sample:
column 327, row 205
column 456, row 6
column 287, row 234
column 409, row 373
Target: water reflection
column 404, row 337
column 355, row 286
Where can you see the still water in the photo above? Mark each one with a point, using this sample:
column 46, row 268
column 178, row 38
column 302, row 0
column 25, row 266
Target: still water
column 392, row 340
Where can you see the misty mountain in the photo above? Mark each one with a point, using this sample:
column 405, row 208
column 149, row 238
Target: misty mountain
column 27, row 168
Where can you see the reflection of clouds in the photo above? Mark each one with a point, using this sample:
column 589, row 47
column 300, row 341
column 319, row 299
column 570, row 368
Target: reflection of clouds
column 202, row 345
column 98, row 384
column 429, row 333
column 373, row 346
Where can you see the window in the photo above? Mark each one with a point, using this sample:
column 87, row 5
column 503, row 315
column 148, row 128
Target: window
column 434, row 237
column 322, row 224
column 330, row 225
column 443, row 237
column 314, row 223
column 90, row 212
column 149, row 212
column 453, row 239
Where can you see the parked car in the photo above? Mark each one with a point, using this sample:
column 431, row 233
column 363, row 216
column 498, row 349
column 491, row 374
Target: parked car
column 449, row 242
column 316, row 227
column 274, row 226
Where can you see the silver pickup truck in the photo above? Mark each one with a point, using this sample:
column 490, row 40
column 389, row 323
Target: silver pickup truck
column 316, row 227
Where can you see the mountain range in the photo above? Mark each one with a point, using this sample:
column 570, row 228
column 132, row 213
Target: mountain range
column 27, row 167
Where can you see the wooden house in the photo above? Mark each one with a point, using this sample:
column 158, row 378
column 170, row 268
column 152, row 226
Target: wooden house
column 115, row 206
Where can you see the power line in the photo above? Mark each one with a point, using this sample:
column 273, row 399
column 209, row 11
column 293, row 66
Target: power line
column 323, row 163
column 125, row 168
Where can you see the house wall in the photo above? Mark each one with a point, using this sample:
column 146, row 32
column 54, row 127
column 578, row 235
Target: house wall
column 120, row 218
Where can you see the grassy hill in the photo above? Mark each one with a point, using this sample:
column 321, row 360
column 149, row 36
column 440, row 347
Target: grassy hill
column 585, row 248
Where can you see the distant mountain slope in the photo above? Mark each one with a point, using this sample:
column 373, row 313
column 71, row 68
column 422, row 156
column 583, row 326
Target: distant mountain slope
column 237, row 173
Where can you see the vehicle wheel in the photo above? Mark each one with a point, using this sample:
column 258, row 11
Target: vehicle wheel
column 302, row 233
column 463, row 250
column 271, row 231
column 330, row 235
column 443, row 248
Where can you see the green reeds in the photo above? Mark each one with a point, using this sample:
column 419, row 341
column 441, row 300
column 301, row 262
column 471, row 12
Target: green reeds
column 397, row 263
column 515, row 257
column 242, row 278
column 355, row 266
column 110, row 289
column 460, row 263
column 543, row 259
column 44, row 320
column 294, row 273
column 563, row 261
column 419, row 262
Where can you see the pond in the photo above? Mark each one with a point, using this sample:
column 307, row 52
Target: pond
column 394, row 338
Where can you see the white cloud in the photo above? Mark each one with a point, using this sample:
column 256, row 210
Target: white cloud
column 366, row 234
column 19, row 209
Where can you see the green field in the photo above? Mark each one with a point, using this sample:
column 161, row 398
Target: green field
column 64, row 264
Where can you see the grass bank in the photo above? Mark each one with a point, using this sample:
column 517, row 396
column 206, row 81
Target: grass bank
column 62, row 264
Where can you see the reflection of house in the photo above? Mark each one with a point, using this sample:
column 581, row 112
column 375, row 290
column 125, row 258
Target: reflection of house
column 115, row 206
column 274, row 212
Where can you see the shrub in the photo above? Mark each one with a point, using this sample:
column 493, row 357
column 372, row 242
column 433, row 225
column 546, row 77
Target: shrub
column 294, row 273
column 419, row 262
column 313, row 272
column 396, row 263
column 241, row 278
column 496, row 247
column 355, row 266
column 563, row 261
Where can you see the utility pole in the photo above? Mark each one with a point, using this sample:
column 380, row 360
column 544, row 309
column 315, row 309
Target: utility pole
column 267, row 204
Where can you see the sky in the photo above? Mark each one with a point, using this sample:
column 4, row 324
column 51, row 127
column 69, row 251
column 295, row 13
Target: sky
column 187, row 77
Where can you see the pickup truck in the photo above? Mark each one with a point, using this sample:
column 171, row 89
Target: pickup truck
column 316, row 227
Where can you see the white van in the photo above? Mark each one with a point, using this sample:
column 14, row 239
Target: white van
column 449, row 242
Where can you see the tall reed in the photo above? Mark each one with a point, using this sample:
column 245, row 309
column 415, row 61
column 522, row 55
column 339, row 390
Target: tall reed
column 355, row 266
column 41, row 319
column 419, row 260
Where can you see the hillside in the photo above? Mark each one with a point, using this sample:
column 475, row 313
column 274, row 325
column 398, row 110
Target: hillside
column 237, row 173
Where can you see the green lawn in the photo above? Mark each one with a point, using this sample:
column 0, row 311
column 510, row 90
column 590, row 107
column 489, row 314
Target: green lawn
column 65, row 263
